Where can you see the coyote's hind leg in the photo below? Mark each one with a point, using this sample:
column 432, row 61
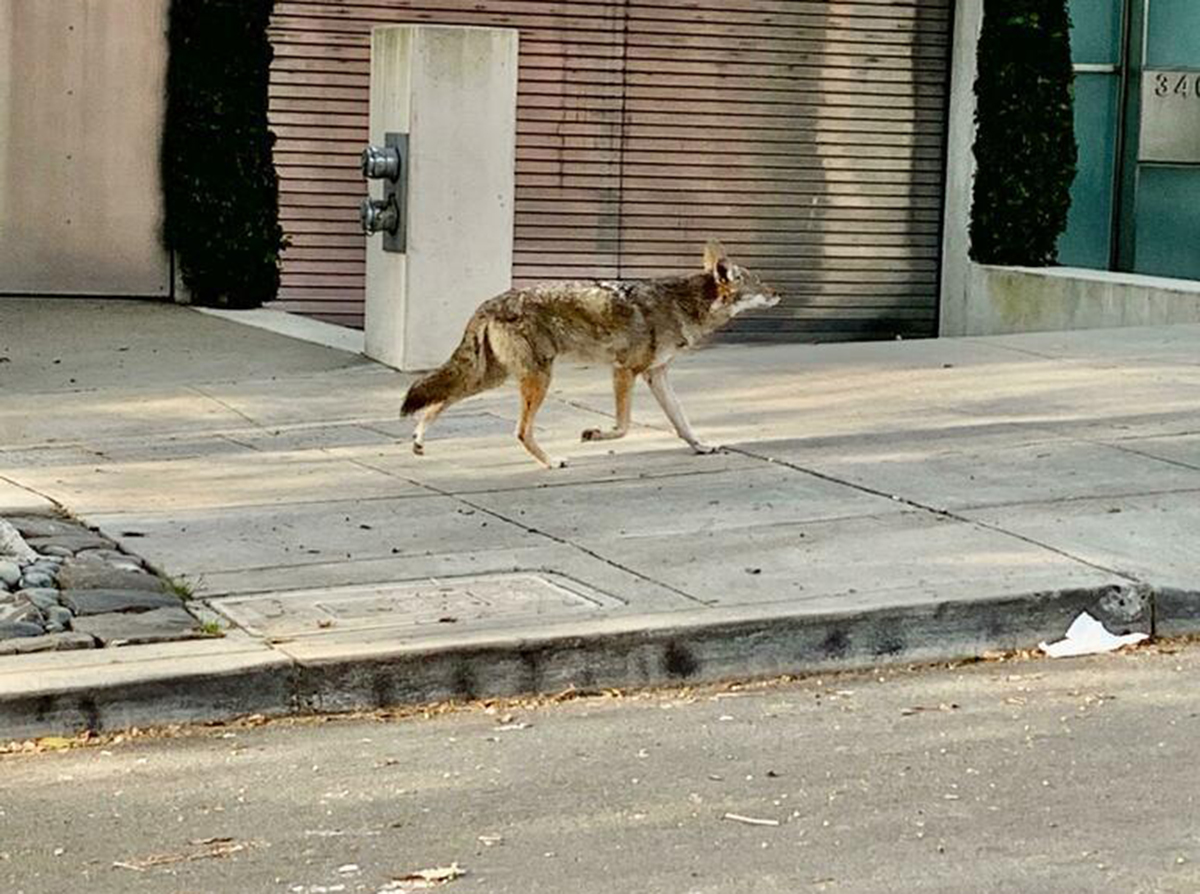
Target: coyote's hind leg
column 431, row 413
column 534, row 387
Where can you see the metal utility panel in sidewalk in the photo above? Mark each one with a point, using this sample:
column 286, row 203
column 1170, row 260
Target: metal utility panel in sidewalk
column 443, row 127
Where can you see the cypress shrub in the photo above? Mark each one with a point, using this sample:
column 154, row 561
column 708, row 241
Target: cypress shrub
column 1025, row 137
column 221, row 192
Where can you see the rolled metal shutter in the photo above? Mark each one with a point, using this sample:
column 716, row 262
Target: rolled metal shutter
column 318, row 109
column 320, row 79
column 807, row 135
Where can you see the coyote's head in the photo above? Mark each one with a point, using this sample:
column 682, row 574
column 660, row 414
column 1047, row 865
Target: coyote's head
column 738, row 289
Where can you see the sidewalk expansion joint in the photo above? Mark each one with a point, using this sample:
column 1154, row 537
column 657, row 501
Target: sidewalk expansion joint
column 1186, row 433
column 616, row 479
column 1085, row 498
column 232, row 409
column 1029, row 352
column 33, row 490
column 562, row 541
column 233, row 440
column 325, row 501
column 1162, row 459
column 316, row 562
column 933, row 510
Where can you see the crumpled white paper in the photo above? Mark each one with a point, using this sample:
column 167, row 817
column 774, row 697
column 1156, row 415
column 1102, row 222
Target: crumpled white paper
column 1087, row 636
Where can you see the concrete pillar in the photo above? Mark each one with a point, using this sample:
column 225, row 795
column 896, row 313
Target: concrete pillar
column 959, row 275
column 453, row 90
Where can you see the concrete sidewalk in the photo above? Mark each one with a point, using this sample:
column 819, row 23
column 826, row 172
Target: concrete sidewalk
column 876, row 502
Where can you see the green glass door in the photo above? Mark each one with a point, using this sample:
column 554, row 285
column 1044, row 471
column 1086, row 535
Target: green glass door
column 1097, row 51
column 1135, row 202
column 1166, row 203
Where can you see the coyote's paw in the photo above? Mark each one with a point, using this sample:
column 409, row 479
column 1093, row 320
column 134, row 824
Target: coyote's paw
column 599, row 434
column 702, row 448
column 418, row 448
column 552, row 463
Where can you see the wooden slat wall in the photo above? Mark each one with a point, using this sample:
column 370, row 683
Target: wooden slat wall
column 807, row 135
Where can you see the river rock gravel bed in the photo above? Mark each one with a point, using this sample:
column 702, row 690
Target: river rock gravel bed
column 66, row 586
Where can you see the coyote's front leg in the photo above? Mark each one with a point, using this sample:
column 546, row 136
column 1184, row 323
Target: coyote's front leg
column 623, row 380
column 660, row 386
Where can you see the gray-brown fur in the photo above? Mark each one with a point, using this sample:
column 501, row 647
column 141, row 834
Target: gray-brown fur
column 638, row 327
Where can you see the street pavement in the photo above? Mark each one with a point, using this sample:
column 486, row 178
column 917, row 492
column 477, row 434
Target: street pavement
column 1071, row 775
column 898, row 501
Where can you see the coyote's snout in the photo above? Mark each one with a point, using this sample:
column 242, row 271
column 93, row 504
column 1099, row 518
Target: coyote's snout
column 636, row 326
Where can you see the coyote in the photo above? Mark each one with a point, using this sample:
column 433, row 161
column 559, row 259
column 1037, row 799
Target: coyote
column 638, row 327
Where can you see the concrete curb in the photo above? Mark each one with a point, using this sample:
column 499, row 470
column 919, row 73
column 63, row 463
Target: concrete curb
column 1176, row 611
column 151, row 702
column 728, row 649
column 259, row 679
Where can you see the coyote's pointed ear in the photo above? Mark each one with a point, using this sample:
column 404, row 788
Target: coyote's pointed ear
column 716, row 262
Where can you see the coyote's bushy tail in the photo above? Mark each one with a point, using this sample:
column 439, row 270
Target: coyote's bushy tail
column 470, row 369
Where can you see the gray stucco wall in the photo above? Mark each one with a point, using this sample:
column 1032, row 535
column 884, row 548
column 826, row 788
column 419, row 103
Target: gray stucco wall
column 1020, row 299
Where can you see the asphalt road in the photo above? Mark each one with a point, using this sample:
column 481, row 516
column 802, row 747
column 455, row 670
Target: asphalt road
column 1024, row 776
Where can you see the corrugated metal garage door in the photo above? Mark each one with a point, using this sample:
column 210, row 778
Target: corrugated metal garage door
column 807, row 135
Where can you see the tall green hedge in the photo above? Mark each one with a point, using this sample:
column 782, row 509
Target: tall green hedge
column 1025, row 138
column 221, row 192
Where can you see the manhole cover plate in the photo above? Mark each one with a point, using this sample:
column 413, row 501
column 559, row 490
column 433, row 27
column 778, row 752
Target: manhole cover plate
column 443, row 601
